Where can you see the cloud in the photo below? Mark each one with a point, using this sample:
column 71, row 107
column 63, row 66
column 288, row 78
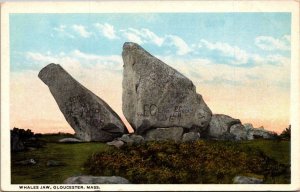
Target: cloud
column 61, row 30
column 269, row 43
column 141, row 36
column 181, row 46
column 76, row 58
column 81, row 30
column 106, row 30
column 240, row 56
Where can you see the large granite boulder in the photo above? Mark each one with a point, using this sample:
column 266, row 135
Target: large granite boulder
column 90, row 117
column 164, row 134
column 220, row 124
column 87, row 179
column 156, row 95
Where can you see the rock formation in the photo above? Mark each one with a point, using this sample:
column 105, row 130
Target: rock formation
column 225, row 127
column 165, row 134
column 253, row 133
column 90, row 117
column 156, row 95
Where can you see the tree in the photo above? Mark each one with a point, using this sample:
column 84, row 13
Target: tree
column 286, row 134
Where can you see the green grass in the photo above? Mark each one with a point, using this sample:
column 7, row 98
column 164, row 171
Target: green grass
column 72, row 155
column 277, row 150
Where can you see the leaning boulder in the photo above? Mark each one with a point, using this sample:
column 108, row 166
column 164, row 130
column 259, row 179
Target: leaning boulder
column 164, row 134
column 220, row 124
column 86, row 179
column 156, row 95
column 90, row 117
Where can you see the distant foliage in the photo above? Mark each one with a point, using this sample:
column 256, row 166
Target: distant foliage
column 22, row 133
column 26, row 137
column 286, row 134
column 197, row 162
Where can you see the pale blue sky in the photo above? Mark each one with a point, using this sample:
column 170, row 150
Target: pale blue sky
column 236, row 39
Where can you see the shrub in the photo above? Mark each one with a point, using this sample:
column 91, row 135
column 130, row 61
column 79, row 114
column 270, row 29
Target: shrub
column 197, row 162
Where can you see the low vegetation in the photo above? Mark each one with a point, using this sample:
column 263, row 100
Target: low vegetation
column 198, row 162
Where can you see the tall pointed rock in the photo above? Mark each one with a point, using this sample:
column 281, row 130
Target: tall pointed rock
column 156, row 95
column 91, row 118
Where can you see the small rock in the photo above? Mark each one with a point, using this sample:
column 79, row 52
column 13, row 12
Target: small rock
column 117, row 143
column 239, row 131
column 246, row 180
column 191, row 136
column 26, row 162
column 131, row 139
column 221, row 124
column 164, row 134
column 137, row 139
column 52, row 163
column 125, row 138
column 70, row 140
column 261, row 132
column 86, row 179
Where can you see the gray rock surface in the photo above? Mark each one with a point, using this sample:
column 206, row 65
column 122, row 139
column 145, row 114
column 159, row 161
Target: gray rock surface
column 259, row 133
column 131, row 139
column 69, row 140
column 156, row 95
column 164, row 134
column 221, row 124
column 86, row 179
column 90, row 117
column 190, row 137
column 26, row 162
column 246, row 180
column 117, row 143
column 239, row 131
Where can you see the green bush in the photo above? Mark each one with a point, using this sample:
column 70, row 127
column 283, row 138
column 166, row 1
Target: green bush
column 197, row 162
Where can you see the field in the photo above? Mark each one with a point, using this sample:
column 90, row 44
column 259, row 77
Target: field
column 84, row 158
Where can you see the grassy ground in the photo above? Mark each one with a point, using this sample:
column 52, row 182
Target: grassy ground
column 75, row 155
column 72, row 155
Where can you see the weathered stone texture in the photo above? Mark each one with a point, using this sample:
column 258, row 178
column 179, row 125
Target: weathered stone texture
column 156, row 95
column 90, row 117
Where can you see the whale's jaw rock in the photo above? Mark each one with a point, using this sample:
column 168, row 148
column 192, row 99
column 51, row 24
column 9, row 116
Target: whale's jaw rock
column 156, row 95
column 91, row 118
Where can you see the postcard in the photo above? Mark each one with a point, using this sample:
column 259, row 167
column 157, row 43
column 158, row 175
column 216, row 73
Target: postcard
column 152, row 95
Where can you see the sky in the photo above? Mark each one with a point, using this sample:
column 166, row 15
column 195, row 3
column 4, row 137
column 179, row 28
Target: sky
column 239, row 62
